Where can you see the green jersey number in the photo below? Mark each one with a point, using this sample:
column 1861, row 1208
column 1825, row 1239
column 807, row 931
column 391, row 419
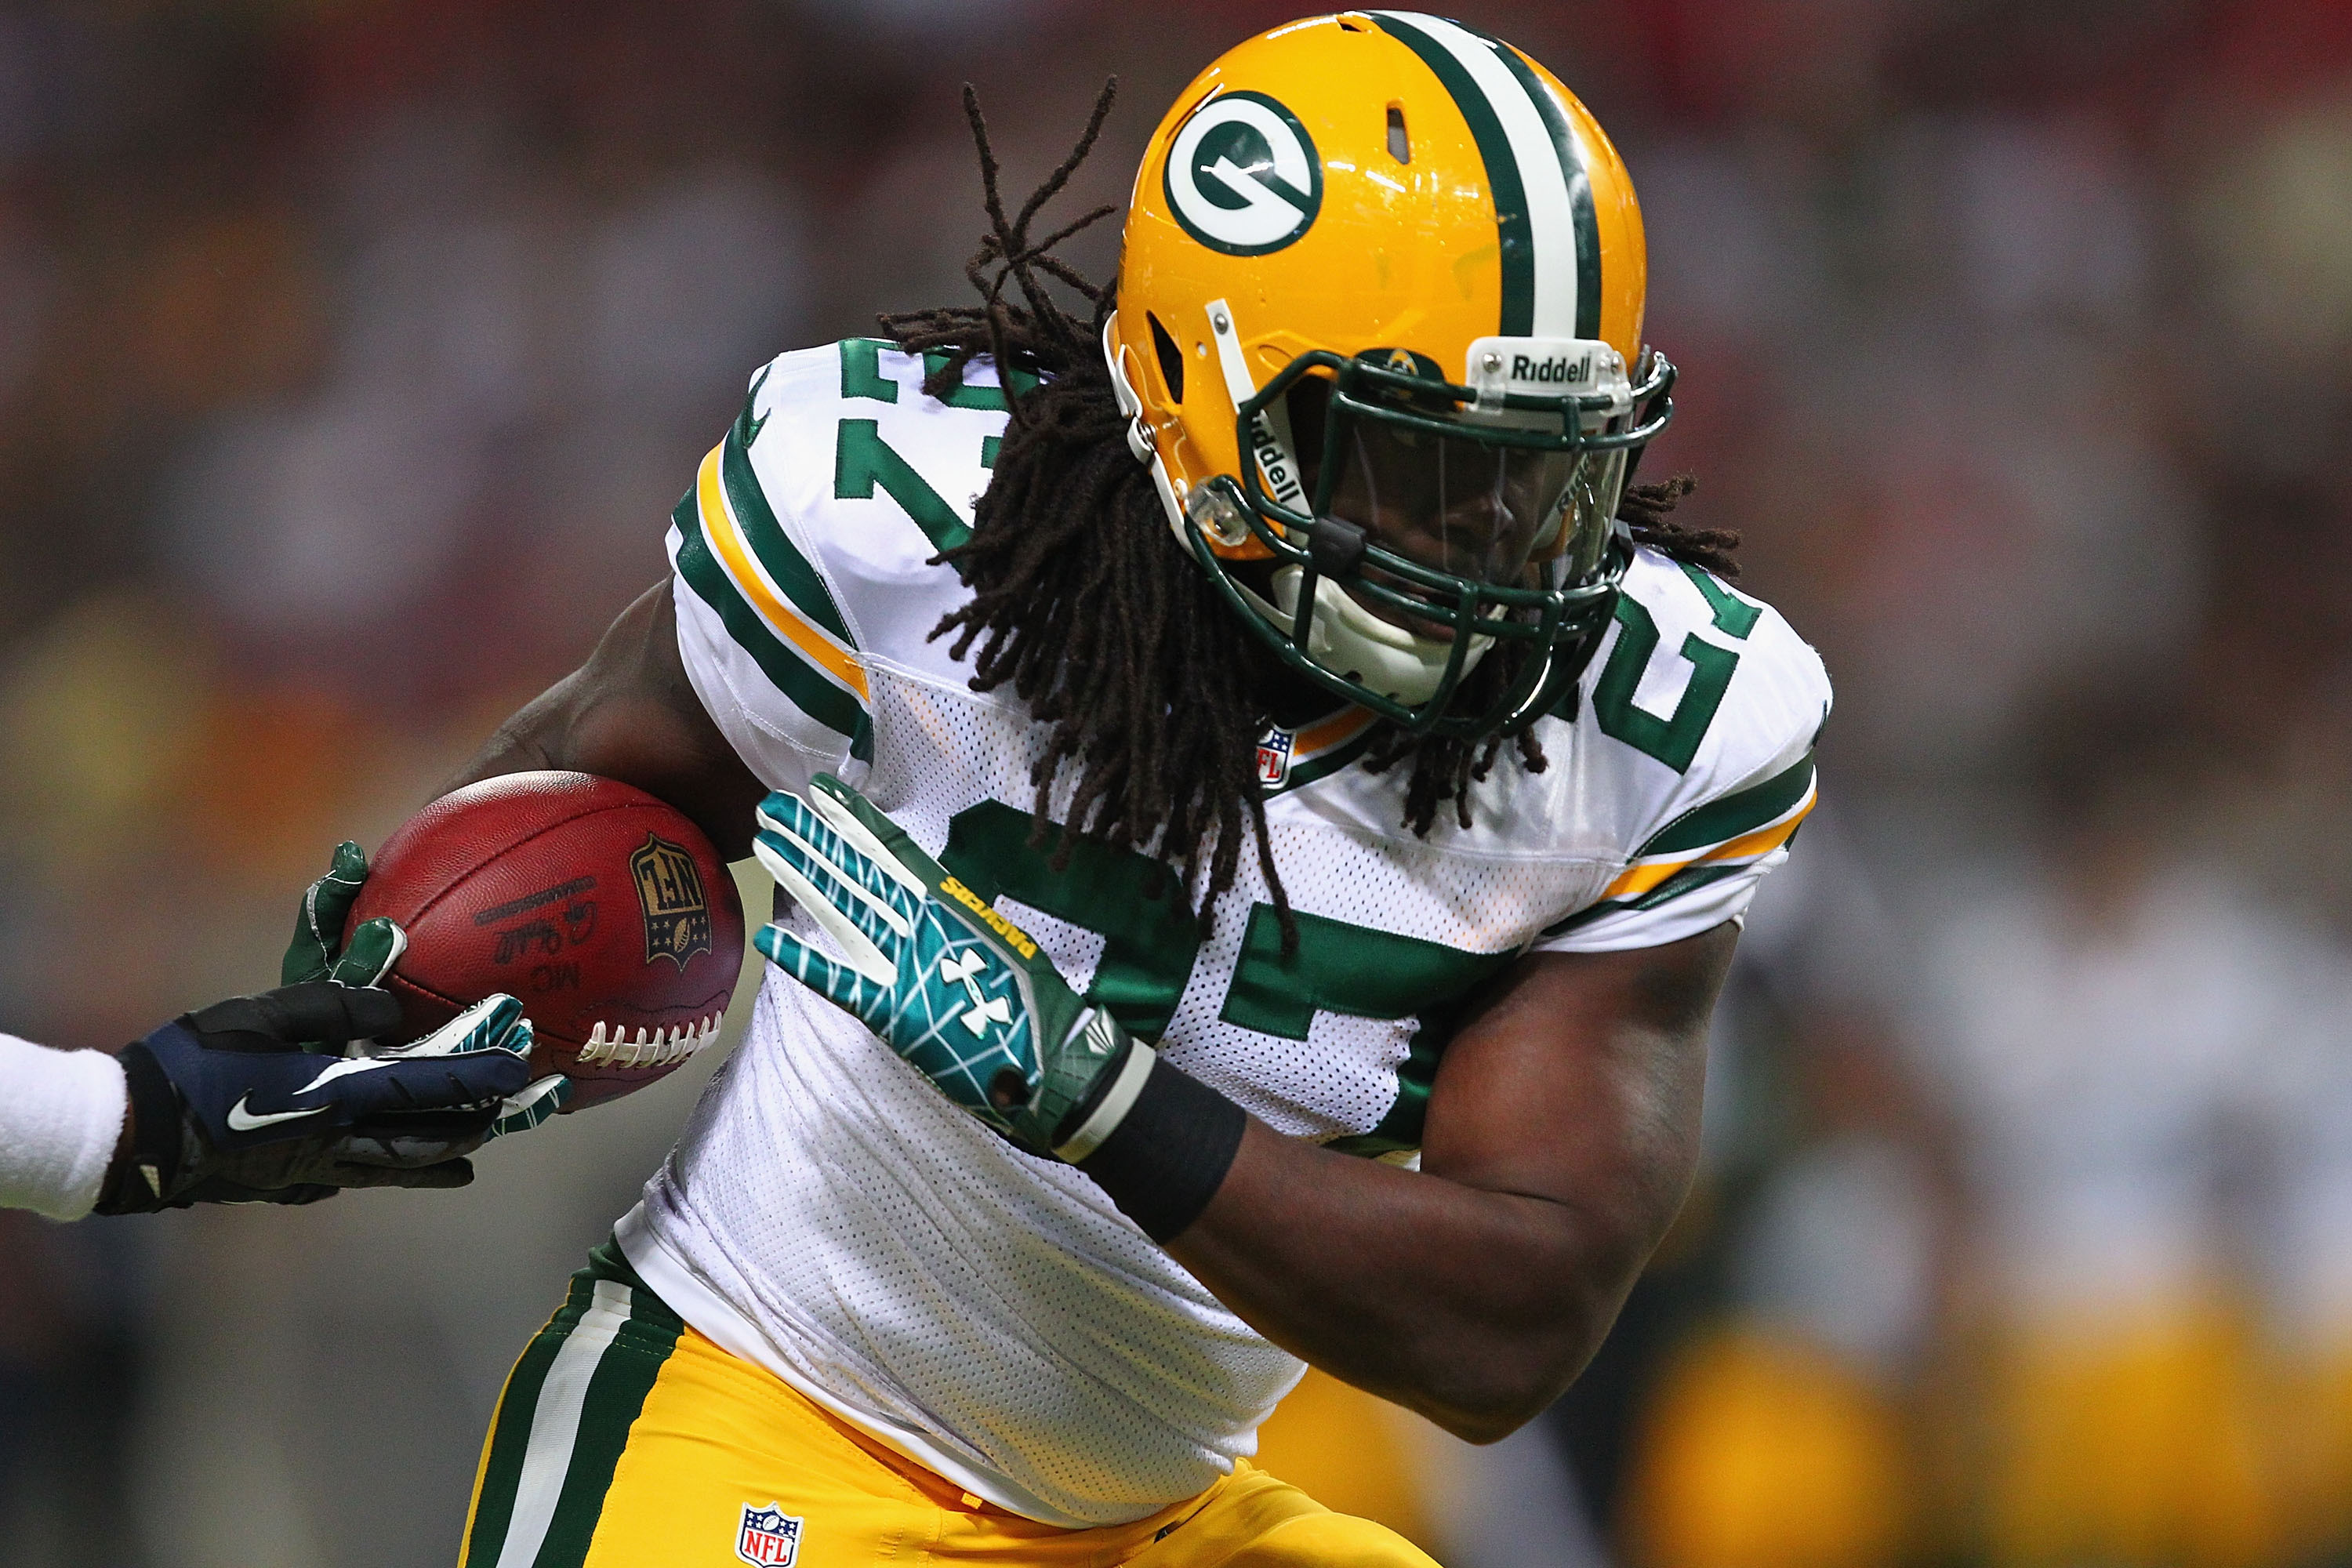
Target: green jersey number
column 1150, row 945
column 1128, row 898
column 1672, row 740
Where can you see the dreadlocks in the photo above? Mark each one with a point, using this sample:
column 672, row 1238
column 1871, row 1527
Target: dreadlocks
column 1084, row 602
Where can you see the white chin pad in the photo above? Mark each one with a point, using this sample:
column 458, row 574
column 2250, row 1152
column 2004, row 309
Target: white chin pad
column 1349, row 640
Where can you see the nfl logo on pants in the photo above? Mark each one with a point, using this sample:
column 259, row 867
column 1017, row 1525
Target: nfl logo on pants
column 770, row 1537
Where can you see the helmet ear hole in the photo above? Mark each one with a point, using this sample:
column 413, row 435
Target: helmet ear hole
column 1171, row 359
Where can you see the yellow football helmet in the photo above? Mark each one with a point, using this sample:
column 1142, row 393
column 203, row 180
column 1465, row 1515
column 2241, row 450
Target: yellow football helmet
column 1379, row 337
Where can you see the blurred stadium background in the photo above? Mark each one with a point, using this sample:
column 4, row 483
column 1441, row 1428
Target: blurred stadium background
column 352, row 352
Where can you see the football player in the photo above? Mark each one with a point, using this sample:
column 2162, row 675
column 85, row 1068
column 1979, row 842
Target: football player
column 1261, row 813
column 253, row 1100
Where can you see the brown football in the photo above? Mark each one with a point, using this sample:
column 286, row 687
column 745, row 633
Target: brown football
column 604, row 909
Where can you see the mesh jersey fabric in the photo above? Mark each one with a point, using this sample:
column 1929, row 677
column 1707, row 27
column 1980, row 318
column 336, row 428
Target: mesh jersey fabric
column 989, row 1312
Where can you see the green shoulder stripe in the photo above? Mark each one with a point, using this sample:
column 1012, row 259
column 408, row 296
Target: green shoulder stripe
column 818, row 698
column 985, row 397
column 861, row 369
column 1732, row 614
column 794, row 571
column 1744, row 811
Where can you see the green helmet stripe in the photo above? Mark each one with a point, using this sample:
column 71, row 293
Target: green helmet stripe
column 1580, row 184
column 1515, row 227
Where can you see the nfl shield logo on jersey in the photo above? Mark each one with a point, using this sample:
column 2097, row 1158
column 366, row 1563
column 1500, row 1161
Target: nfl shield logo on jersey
column 770, row 1537
column 1274, row 757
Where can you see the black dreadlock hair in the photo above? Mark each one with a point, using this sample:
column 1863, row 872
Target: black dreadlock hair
column 1083, row 602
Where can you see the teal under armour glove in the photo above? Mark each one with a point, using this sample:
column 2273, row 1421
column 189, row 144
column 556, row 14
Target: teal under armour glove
column 319, row 952
column 945, row 981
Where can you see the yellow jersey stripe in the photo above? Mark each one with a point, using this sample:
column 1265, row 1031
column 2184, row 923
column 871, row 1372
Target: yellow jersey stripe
column 1635, row 880
column 1342, row 726
column 727, row 539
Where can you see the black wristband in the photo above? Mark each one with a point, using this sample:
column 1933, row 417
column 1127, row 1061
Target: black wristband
column 155, row 1135
column 1170, row 1154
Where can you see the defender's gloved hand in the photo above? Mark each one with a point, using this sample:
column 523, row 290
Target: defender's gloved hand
column 948, row 984
column 226, row 1106
column 317, row 951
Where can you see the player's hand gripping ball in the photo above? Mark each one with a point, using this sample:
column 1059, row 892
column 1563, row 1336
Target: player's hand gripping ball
column 947, row 982
column 603, row 909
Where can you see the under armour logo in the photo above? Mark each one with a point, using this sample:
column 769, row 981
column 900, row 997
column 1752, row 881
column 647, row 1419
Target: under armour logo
column 984, row 1010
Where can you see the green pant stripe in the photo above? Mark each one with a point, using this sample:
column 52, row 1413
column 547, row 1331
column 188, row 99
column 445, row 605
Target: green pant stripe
column 615, row 1397
column 510, row 1432
column 624, row 1371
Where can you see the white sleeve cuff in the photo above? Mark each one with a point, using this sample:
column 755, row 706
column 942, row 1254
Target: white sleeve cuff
column 1700, row 910
column 60, row 1117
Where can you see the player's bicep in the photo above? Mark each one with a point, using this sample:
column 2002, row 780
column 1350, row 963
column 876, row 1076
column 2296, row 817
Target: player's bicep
column 1578, row 1080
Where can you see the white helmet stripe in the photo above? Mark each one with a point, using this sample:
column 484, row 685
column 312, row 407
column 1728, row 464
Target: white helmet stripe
column 1547, row 180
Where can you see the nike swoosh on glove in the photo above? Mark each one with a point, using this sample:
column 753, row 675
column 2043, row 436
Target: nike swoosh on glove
column 947, row 983
column 227, row 1106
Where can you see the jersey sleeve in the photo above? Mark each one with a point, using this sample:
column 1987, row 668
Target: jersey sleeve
column 808, row 553
column 1708, row 706
column 761, row 632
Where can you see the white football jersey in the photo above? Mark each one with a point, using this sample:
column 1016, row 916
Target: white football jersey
column 832, row 1217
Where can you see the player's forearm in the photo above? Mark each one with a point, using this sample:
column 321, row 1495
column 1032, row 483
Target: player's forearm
column 1561, row 1136
column 538, row 735
column 1477, row 1309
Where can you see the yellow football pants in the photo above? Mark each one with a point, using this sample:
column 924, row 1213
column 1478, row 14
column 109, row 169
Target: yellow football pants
column 624, row 1440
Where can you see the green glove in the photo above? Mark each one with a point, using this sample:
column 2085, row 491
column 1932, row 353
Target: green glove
column 948, row 984
column 317, row 953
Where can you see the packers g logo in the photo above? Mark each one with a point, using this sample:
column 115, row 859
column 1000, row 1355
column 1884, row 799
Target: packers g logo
column 1243, row 177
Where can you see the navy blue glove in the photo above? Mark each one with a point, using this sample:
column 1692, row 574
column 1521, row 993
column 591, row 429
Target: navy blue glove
column 227, row 1107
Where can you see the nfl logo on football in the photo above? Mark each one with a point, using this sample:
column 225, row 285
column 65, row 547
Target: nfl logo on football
column 1274, row 757
column 770, row 1537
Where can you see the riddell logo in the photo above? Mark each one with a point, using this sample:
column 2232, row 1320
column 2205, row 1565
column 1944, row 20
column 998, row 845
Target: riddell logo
column 1557, row 370
column 1275, row 462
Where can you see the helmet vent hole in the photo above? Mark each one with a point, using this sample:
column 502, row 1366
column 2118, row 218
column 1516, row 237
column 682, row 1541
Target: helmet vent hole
column 1400, row 145
column 1171, row 359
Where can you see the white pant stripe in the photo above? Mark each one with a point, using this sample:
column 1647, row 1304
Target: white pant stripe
column 555, row 1424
